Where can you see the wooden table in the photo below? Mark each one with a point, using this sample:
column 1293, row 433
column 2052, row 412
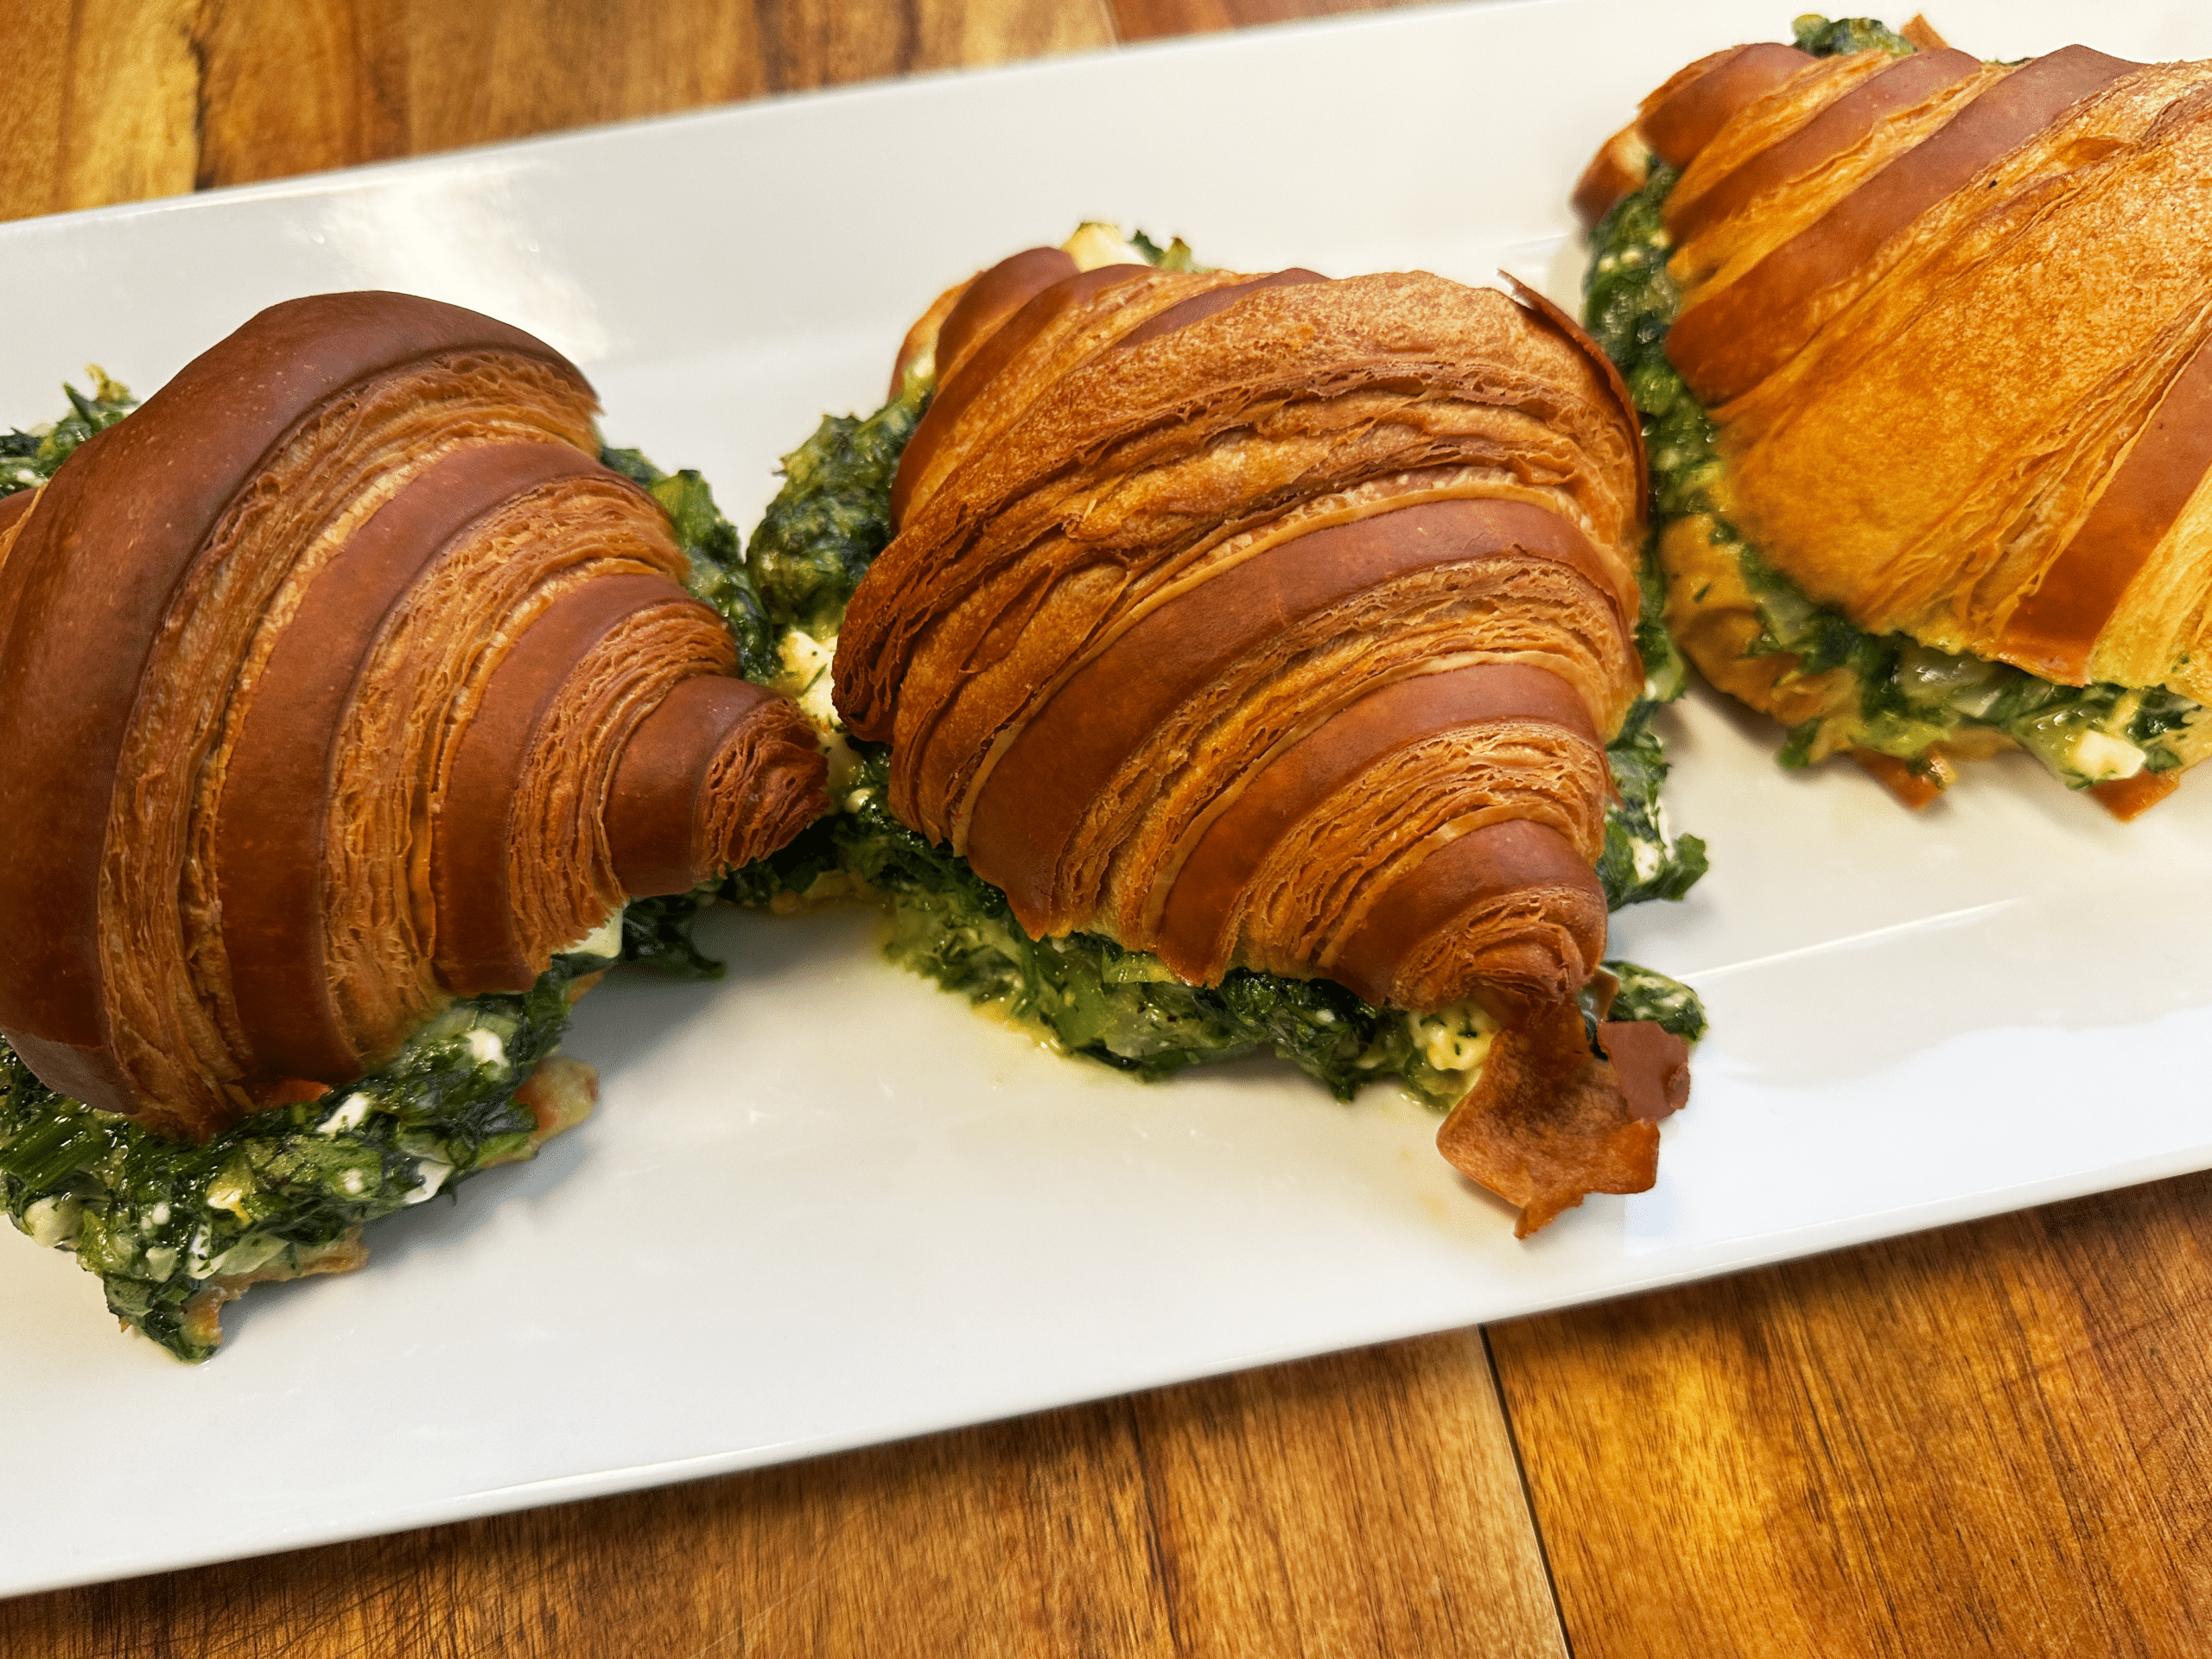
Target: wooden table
column 1992, row 1440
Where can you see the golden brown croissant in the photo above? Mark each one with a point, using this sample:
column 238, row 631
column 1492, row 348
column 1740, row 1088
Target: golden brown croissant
column 1278, row 622
column 1953, row 321
column 340, row 680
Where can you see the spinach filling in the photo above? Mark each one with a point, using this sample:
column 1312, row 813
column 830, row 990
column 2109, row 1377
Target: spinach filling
column 27, row 459
column 170, row 1228
column 1836, row 38
column 173, row 1229
column 1890, row 694
column 1088, row 994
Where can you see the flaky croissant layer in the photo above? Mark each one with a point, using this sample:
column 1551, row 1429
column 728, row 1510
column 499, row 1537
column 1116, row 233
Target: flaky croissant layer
column 339, row 680
column 1955, row 320
column 1277, row 622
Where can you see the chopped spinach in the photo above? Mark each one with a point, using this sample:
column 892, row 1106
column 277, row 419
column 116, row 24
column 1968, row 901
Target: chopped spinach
column 1643, row 858
column 29, row 459
column 1176, row 255
column 657, row 934
column 172, row 1229
column 1627, row 301
column 1121, row 1008
column 169, row 1227
column 833, row 515
column 1826, row 38
column 1094, row 998
column 1665, row 675
column 1666, row 1002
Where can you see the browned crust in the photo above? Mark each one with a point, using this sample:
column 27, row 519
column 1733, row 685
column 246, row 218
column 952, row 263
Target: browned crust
column 359, row 511
column 85, row 1071
column 1327, row 387
column 271, row 825
column 1914, row 786
column 14, row 510
column 2052, row 632
column 1307, row 597
column 1194, row 939
column 1727, row 341
column 479, row 946
column 1550, row 1122
column 1901, row 85
column 656, row 815
column 1995, row 367
column 1694, row 71
column 84, row 619
column 1680, row 120
column 1511, row 905
column 675, row 818
column 1032, row 802
column 991, row 298
column 2129, row 798
column 921, row 339
column 1199, row 307
column 1652, row 1065
column 985, row 361
column 763, row 784
column 1617, row 170
column 1608, row 370
column 1922, row 33
column 560, row 1092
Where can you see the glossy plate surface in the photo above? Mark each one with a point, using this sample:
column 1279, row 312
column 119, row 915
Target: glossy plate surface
column 823, row 1204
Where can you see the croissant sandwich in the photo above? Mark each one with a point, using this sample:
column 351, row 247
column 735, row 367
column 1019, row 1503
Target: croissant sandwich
column 345, row 697
column 1256, row 641
column 1925, row 344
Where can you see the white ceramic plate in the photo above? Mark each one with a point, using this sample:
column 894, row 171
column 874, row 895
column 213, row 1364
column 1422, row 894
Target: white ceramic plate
column 823, row 1204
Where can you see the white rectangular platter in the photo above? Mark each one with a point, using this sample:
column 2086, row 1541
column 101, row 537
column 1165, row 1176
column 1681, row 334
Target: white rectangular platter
column 823, row 1205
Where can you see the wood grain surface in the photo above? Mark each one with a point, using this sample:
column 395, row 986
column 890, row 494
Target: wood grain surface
column 1993, row 1439
column 1361, row 1505
column 1152, row 20
column 116, row 100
